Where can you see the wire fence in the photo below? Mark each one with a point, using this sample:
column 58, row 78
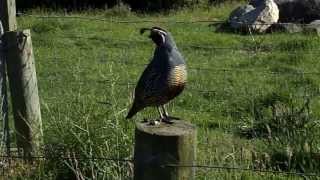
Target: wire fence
column 110, row 20
column 191, row 165
column 256, row 48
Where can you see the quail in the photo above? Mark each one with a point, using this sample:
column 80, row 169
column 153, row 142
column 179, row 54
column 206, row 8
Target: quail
column 164, row 77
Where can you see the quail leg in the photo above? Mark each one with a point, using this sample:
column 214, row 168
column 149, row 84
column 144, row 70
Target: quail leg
column 167, row 118
column 157, row 121
column 166, row 114
column 161, row 114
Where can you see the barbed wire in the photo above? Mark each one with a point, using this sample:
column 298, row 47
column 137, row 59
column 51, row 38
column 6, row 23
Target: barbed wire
column 215, row 92
column 110, row 20
column 256, row 48
column 164, row 165
column 67, row 158
column 213, row 70
column 243, row 169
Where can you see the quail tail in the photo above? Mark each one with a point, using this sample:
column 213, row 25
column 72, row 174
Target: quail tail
column 131, row 113
column 134, row 109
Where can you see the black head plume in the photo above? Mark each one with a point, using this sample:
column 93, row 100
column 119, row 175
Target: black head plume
column 155, row 28
column 158, row 28
column 142, row 30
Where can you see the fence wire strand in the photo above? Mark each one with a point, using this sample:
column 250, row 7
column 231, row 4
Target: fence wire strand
column 256, row 48
column 110, row 20
column 212, row 70
column 212, row 167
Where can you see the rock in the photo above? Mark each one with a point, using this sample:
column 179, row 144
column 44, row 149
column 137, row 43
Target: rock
column 286, row 27
column 237, row 13
column 256, row 3
column 1, row 33
column 313, row 27
column 258, row 19
column 298, row 11
column 315, row 22
column 1, row 29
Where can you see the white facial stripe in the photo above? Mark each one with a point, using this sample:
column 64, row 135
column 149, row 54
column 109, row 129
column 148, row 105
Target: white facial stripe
column 160, row 31
column 162, row 34
column 163, row 38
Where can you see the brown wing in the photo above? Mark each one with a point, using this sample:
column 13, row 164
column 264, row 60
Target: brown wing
column 150, row 86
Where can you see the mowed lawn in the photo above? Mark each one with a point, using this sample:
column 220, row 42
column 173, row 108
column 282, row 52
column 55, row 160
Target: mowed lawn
column 253, row 98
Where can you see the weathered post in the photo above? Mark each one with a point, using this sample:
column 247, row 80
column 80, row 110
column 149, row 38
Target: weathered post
column 19, row 60
column 24, row 91
column 8, row 15
column 4, row 95
column 160, row 149
column 9, row 23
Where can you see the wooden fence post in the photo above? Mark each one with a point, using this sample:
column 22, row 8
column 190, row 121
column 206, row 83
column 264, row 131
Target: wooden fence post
column 19, row 59
column 8, row 15
column 4, row 95
column 160, row 149
column 24, row 91
column 9, row 23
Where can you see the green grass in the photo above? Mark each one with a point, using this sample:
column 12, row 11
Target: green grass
column 253, row 109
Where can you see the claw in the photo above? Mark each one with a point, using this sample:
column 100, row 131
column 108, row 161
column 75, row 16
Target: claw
column 167, row 120
column 174, row 118
column 154, row 122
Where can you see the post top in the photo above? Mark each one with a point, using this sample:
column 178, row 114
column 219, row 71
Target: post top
column 177, row 128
